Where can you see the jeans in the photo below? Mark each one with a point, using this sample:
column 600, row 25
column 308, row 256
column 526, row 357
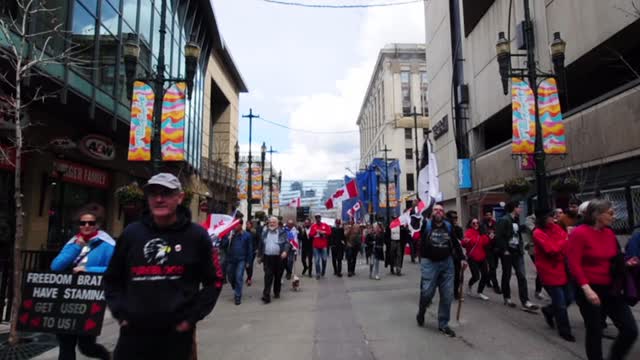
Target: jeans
column 291, row 258
column 320, row 258
column 437, row 274
column 273, row 269
column 492, row 261
column 538, row 281
column 561, row 298
column 479, row 271
column 307, row 261
column 515, row 261
column 337, row 254
column 153, row 345
column 352, row 256
column 235, row 273
column 86, row 344
column 617, row 309
column 374, row 267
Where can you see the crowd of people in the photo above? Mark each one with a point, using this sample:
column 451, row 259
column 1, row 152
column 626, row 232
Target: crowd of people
column 165, row 273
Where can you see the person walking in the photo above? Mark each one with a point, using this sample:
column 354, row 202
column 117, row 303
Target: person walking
column 306, row 243
column 239, row 245
column 292, row 234
column 320, row 233
column 352, row 247
column 529, row 247
column 337, row 241
column 551, row 242
column 452, row 217
column 509, row 245
column 88, row 251
column 273, row 252
column 255, row 242
column 475, row 244
column 439, row 247
column 393, row 246
column 488, row 227
column 592, row 251
column 375, row 242
column 163, row 277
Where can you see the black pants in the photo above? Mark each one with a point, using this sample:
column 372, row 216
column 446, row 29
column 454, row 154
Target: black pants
column 515, row 261
column 250, row 268
column 86, row 344
column 273, row 269
column 352, row 257
column 492, row 261
column 153, row 345
column 307, row 261
column 479, row 271
column 538, row 281
column 617, row 309
column 337, row 254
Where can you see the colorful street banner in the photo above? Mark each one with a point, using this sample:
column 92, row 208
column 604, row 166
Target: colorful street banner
column 393, row 196
column 523, row 126
column 141, row 122
column 256, row 181
column 241, row 180
column 172, row 134
column 553, row 135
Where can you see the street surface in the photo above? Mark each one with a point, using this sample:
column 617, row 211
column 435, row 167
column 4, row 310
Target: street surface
column 357, row 318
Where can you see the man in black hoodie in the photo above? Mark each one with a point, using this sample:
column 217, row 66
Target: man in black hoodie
column 163, row 278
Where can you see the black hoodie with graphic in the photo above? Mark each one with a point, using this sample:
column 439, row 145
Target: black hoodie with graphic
column 159, row 277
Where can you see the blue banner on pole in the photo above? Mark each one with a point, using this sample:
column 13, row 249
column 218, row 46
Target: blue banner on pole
column 464, row 174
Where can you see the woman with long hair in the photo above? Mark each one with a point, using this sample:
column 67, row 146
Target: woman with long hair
column 550, row 242
column 375, row 242
column 88, row 251
column 475, row 244
column 592, row 249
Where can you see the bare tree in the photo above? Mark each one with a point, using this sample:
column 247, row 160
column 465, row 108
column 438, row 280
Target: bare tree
column 29, row 48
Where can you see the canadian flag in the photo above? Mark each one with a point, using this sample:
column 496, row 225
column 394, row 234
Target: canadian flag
column 411, row 218
column 219, row 225
column 354, row 209
column 349, row 191
column 296, row 203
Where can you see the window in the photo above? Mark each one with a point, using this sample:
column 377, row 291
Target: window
column 408, row 154
column 405, row 84
column 407, row 134
column 410, row 182
column 424, row 92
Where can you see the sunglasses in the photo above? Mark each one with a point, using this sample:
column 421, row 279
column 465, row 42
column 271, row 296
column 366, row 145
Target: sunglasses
column 475, row 223
column 87, row 223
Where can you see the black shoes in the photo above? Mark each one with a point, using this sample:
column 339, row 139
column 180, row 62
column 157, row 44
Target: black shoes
column 420, row 319
column 276, row 296
column 238, row 301
column 447, row 331
column 266, row 299
column 548, row 317
column 288, row 276
column 568, row 337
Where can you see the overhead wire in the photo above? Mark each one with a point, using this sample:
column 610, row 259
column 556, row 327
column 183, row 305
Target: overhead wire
column 319, row 132
column 341, row 6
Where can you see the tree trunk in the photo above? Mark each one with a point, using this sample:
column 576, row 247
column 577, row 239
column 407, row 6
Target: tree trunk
column 17, row 246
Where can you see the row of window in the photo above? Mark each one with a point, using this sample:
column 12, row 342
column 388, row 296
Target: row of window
column 407, row 101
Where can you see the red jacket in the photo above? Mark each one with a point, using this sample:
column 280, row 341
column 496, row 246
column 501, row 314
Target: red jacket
column 320, row 241
column 475, row 245
column 551, row 251
column 590, row 253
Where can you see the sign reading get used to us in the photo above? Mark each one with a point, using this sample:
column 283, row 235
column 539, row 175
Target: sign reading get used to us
column 62, row 303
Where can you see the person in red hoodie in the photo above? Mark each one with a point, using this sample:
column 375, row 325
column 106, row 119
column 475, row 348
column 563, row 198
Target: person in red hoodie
column 550, row 242
column 592, row 247
column 320, row 233
column 475, row 245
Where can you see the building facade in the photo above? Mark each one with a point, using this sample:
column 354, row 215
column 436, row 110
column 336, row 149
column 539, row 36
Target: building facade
column 600, row 98
column 61, row 172
column 398, row 85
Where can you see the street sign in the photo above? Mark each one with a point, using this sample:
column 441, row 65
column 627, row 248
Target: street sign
column 62, row 303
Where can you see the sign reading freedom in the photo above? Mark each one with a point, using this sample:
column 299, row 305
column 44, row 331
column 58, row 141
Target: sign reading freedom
column 62, row 303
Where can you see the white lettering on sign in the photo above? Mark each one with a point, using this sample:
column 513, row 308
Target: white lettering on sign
column 90, row 280
column 98, row 147
column 83, row 294
column 49, row 279
column 45, row 293
column 43, row 307
column 67, row 308
column 84, row 175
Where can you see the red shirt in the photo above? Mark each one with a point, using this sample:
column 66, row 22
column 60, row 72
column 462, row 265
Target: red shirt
column 475, row 245
column 590, row 252
column 320, row 241
column 551, row 249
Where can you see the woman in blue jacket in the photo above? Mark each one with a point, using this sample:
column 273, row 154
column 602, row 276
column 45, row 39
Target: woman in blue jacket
column 89, row 251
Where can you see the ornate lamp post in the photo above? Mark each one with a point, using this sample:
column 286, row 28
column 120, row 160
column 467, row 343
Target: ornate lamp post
column 504, row 55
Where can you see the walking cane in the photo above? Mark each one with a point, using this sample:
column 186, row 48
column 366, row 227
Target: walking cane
column 460, row 291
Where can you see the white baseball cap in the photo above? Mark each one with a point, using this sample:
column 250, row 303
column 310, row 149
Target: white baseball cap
column 167, row 180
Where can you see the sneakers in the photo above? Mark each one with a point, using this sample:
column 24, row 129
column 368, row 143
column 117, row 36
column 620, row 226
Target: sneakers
column 447, row 331
column 483, row 296
column 377, row 277
column 509, row 303
column 529, row 306
column 540, row 296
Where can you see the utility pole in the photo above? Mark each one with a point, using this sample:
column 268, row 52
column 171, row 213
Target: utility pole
column 386, row 181
column 271, row 151
column 250, row 172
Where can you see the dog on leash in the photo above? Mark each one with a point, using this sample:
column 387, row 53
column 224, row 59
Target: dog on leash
column 295, row 284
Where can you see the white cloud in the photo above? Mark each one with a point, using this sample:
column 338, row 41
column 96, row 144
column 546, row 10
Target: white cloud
column 324, row 156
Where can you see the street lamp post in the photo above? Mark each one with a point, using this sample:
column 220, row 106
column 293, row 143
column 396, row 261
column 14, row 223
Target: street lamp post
column 271, row 151
column 557, row 48
column 131, row 52
column 236, row 154
column 249, row 189
column 386, row 181
column 263, row 154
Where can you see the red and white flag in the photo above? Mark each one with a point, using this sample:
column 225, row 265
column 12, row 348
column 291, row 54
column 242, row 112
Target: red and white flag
column 354, row 210
column 220, row 225
column 349, row 191
column 411, row 218
column 296, row 202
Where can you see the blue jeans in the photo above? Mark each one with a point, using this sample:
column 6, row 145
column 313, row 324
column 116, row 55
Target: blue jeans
column 320, row 259
column 235, row 273
column 437, row 274
column 561, row 298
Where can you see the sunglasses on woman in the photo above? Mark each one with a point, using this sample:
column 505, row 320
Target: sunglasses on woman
column 87, row 223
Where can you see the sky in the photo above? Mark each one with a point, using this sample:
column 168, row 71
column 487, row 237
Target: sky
column 309, row 68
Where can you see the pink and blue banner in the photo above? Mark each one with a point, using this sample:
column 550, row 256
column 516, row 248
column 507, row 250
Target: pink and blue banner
column 141, row 122
column 553, row 135
column 523, row 126
column 172, row 134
